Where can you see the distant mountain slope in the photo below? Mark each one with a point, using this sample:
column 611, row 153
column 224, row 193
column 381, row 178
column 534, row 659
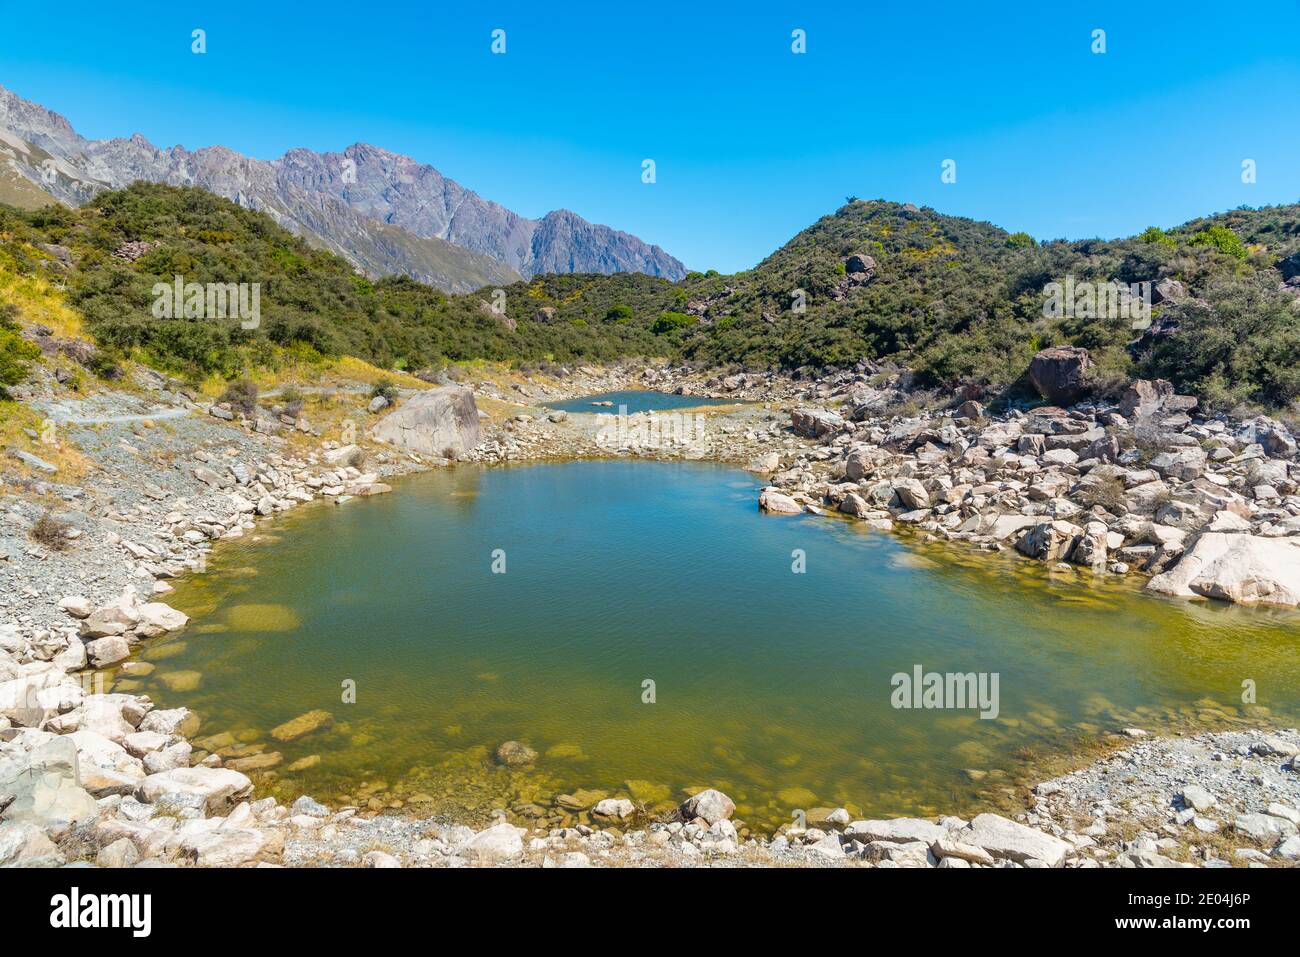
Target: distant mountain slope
column 352, row 203
column 18, row 160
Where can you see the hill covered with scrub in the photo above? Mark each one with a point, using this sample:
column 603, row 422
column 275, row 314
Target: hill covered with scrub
column 959, row 301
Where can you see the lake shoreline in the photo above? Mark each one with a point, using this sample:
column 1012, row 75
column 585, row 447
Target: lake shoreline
column 710, row 842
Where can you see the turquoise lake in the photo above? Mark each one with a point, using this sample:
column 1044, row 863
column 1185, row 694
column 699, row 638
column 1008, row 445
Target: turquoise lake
column 633, row 402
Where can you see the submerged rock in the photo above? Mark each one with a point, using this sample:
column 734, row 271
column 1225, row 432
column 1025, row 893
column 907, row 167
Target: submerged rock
column 302, row 725
column 619, row 808
column 515, row 754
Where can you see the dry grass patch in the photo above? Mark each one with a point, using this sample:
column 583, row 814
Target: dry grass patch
column 50, row 531
column 17, row 421
column 41, row 303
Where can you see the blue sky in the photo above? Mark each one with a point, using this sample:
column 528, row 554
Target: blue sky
column 751, row 141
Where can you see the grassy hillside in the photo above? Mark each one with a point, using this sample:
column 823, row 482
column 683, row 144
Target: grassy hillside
column 17, row 190
column 960, row 301
column 313, row 304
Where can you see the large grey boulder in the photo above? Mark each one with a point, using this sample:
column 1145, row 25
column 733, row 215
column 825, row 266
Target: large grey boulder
column 902, row 830
column 229, row 846
column 157, row 618
column 814, row 423
column 500, row 842
column 1060, row 374
column 1049, row 541
column 912, row 493
column 105, row 767
column 1235, row 567
column 21, row 842
column 44, row 786
column 435, row 422
column 115, row 618
column 1006, row 839
column 32, row 698
column 711, row 805
column 774, row 500
column 1147, row 397
column 218, row 788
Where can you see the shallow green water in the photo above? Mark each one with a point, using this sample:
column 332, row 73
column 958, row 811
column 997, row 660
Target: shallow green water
column 772, row 685
column 630, row 403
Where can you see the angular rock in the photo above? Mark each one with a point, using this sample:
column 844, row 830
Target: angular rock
column 1049, row 541
column 103, row 652
column 218, row 788
column 710, row 805
column 230, row 846
column 902, row 830
column 170, row 722
column 619, row 808
column 814, row 423
column 43, row 786
column 434, row 422
column 777, row 502
column 501, row 842
column 1237, row 568
column 1007, row 839
column 912, row 494
column 344, row 455
column 157, row 618
column 1060, row 374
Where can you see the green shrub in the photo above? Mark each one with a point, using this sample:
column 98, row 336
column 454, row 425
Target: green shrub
column 960, row 301
column 1157, row 236
column 671, row 322
column 1221, row 238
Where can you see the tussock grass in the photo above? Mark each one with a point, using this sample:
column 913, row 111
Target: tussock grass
column 40, row 302
column 16, row 420
column 50, row 531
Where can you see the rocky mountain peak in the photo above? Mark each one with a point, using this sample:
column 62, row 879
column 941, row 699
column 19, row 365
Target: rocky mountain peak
column 349, row 201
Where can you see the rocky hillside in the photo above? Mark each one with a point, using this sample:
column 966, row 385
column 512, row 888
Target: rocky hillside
column 384, row 212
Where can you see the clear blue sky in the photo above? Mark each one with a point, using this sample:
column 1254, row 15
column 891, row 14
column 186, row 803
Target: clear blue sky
column 752, row 142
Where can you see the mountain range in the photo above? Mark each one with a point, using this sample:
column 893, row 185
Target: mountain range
column 385, row 213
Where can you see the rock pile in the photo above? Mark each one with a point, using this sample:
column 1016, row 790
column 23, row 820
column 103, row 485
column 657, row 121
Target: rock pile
column 1087, row 485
